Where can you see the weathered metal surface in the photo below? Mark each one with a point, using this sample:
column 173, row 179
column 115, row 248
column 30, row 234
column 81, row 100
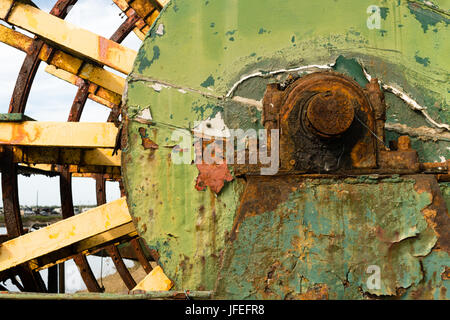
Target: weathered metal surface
column 326, row 123
column 328, row 234
column 26, row 14
column 291, row 235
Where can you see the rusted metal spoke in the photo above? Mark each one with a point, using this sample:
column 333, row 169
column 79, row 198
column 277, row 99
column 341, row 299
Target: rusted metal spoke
column 10, row 193
column 79, row 101
column 87, row 274
column 100, row 186
column 67, row 211
column 120, row 266
column 136, row 245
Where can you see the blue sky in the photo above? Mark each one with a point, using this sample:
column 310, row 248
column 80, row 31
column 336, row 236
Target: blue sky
column 50, row 98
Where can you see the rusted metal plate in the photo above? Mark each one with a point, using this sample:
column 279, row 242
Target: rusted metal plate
column 315, row 233
column 93, row 227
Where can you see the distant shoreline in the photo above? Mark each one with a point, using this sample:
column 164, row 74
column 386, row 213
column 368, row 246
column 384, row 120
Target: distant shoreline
column 30, row 220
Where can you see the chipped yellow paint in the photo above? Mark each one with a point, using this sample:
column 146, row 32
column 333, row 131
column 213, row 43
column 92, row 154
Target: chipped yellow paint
column 64, row 233
column 63, row 62
column 48, row 134
column 15, row 39
column 69, row 36
column 88, row 246
column 87, row 157
column 103, row 78
column 156, row 280
column 4, row 8
column 106, row 97
column 109, row 172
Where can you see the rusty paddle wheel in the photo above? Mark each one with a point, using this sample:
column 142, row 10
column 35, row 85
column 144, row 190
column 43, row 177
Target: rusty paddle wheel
column 79, row 57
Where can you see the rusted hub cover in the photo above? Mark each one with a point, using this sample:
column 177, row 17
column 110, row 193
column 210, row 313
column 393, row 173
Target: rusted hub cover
column 324, row 120
column 330, row 113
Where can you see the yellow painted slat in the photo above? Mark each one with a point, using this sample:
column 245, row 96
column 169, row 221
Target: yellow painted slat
column 139, row 34
column 87, row 246
column 59, row 134
column 70, row 37
column 64, row 233
column 15, row 39
column 156, row 280
column 103, row 78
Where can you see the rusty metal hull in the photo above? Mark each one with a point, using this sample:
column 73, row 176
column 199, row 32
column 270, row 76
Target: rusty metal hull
column 294, row 235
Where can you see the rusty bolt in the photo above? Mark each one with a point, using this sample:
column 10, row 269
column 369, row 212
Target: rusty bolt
column 404, row 143
column 330, row 113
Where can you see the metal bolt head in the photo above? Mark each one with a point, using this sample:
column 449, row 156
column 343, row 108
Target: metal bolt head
column 330, row 113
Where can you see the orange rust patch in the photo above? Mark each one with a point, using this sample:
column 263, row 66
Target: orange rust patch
column 436, row 214
column 213, row 176
column 446, row 274
column 318, row 292
column 430, row 216
column 147, row 143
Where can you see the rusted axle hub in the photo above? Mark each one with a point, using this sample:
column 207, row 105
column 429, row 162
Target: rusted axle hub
column 329, row 114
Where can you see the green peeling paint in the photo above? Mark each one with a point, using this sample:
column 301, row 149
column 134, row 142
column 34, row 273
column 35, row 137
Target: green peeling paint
column 427, row 17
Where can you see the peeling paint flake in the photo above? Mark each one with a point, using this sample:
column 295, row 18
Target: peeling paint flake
column 160, row 30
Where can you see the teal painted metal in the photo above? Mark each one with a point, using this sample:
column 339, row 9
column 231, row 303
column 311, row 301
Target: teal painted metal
column 215, row 59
